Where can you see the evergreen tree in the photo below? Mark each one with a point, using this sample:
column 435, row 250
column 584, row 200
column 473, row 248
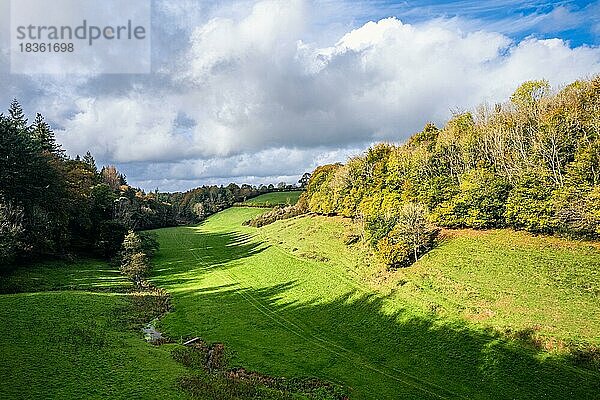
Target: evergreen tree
column 44, row 136
column 17, row 116
column 89, row 160
column 19, row 163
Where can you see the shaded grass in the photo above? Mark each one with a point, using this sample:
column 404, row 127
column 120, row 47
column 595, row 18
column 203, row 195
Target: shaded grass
column 291, row 300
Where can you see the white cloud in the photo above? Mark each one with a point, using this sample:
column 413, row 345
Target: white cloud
column 265, row 98
column 267, row 166
column 383, row 80
column 125, row 129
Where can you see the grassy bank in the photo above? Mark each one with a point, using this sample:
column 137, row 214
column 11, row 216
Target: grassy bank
column 546, row 287
column 291, row 299
column 65, row 333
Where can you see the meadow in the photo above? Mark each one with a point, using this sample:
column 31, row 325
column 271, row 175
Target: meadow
column 291, row 299
column 486, row 314
column 273, row 199
column 66, row 333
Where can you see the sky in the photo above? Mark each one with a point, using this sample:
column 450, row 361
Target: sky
column 263, row 91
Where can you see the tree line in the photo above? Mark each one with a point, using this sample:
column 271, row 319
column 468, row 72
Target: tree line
column 531, row 163
column 52, row 205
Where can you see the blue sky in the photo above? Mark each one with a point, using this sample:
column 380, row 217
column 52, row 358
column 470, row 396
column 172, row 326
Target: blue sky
column 260, row 91
column 575, row 21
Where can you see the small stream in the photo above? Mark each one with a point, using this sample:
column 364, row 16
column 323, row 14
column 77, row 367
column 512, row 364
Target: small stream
column 151, row 335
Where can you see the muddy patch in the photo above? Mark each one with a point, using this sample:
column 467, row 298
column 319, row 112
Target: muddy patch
column 212, row 360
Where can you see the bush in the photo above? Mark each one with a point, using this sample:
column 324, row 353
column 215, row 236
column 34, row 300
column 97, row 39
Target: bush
column 135, row 253
column 378, row 227
column 276, row 214
column 414, row 229
column 394, row 254
column 381, row 214
column 529, row 204
column 480, row 203
column 411, row 237
column 136, row 266
column 578, row 211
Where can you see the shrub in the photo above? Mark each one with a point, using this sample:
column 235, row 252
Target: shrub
column 578, row 210
column 394, row 254
column 529, row 204
column 414, row 229
column 411, row 237
column 480, row 203
column 135, row 266
column 276, row 214
column 135, row 253
column 378, row 227
column 381, row 214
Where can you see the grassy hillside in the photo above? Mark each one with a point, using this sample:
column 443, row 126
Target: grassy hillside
column 291, row 299
column 65, row 335
column 512, row 281
column 274, row 199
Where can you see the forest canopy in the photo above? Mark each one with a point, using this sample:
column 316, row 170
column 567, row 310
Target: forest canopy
column 532, row 163
column 53, row 206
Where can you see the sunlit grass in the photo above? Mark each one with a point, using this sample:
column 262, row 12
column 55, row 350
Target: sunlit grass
column 68, row 337
column 291, row 299
column 274, row 199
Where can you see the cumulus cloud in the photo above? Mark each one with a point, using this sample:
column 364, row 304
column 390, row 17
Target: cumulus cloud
column 263, row 98
column 267, row 166
column 126, row 129
column 381, row 81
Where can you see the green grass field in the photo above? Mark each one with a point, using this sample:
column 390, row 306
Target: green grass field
column 291, row 299
column 274, row 199
column 500, row 278
column 64, row 334
column 485, row 315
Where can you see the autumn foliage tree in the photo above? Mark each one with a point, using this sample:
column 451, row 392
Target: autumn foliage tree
column 531, row 163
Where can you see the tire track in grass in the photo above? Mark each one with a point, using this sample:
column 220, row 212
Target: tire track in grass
column 349, row 355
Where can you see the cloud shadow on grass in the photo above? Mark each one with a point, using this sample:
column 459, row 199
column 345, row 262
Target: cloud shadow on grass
column 350, row 340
